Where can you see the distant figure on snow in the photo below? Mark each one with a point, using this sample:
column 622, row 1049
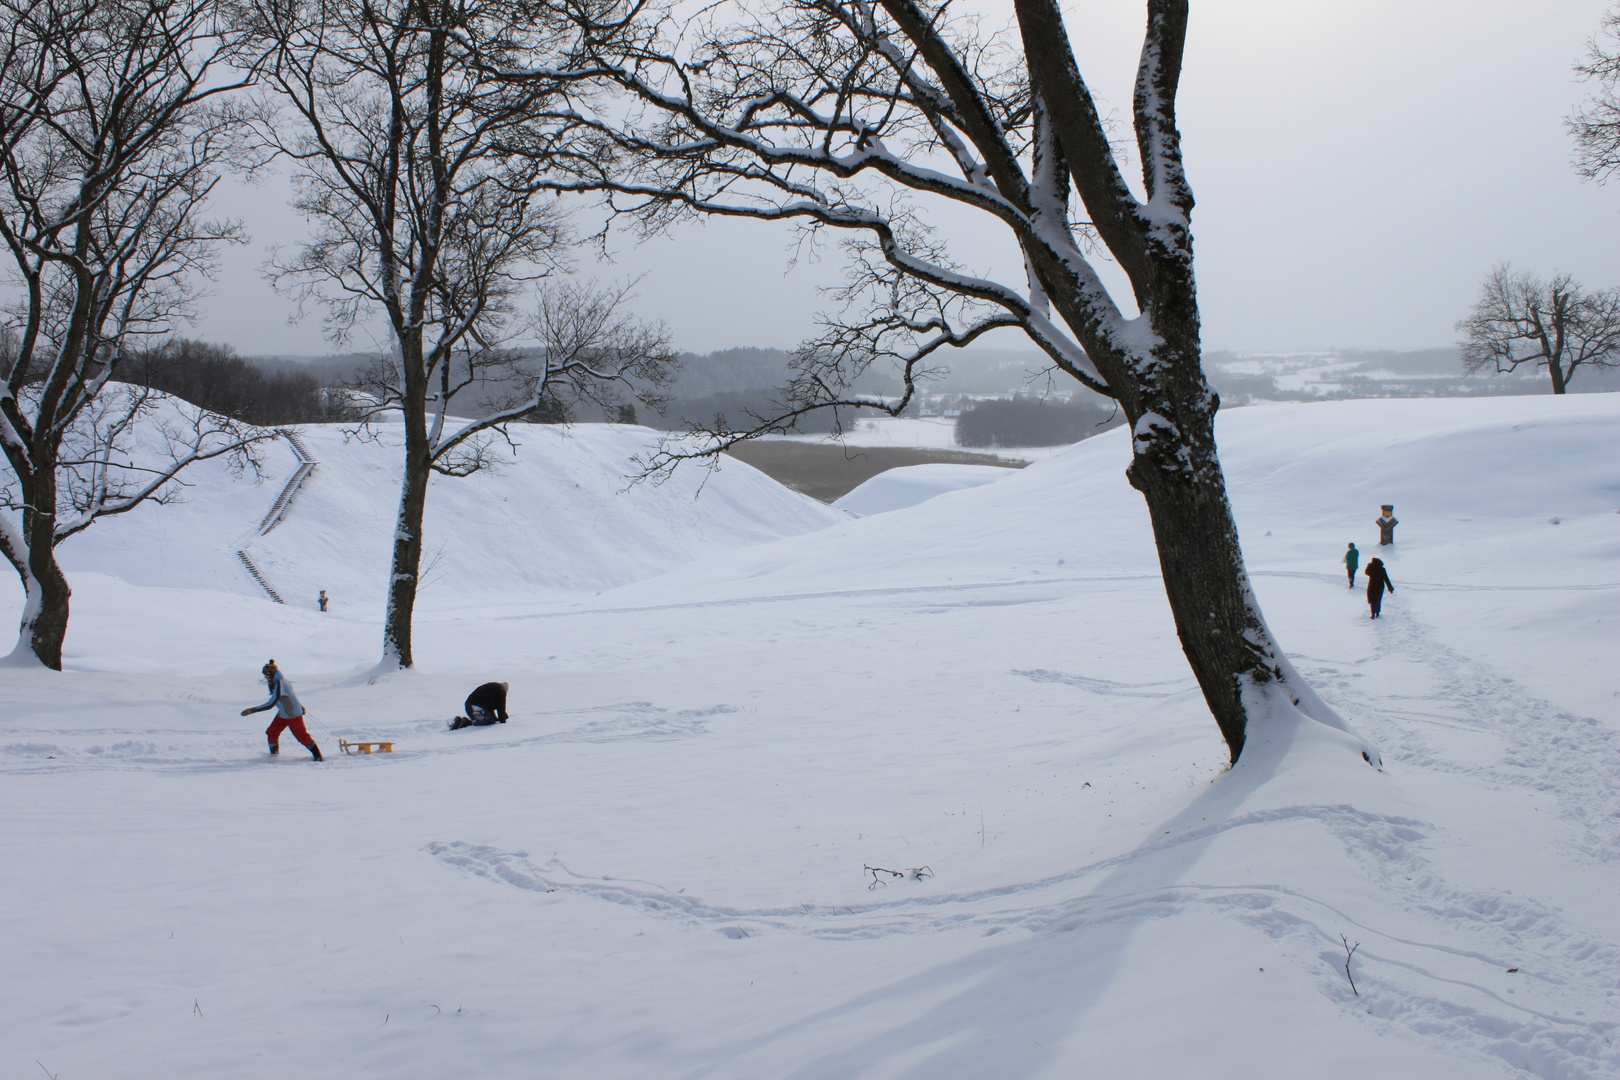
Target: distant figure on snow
column 1386, row 526
column 1352, row 559
column 323, row 600
column 485, row 705
column 1377, row 582
column 289, row 713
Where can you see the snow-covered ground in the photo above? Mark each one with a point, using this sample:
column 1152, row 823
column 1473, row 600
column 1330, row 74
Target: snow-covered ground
column 658, row 868
column 909, row 485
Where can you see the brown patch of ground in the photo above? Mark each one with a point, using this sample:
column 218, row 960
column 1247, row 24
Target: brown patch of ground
column 827, row 471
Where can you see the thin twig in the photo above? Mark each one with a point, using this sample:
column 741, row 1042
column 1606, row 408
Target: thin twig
column 914, row 873
column 1350, row 951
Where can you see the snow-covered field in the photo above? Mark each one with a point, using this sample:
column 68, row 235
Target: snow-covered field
column 725, row 708
column 922, row 433
column 933, row 433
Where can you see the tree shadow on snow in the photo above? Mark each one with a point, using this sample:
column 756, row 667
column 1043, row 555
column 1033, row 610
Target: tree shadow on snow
column 1004, row 1010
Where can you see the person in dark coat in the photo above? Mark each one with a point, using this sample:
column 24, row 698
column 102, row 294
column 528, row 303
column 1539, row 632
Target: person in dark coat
column 1377, row 582
column 1352, row 559
column 485, row 705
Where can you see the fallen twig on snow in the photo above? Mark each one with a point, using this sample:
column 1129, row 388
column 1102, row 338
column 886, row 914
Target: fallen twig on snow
column 1349, row 952
column 913, row 873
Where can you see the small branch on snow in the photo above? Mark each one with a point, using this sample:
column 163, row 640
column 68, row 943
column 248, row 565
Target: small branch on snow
column 914, row 873
column 1350, row 952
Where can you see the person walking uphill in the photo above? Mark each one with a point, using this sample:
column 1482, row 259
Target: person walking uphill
column 1352, row 559
column 1377, row 582
column 289, row 713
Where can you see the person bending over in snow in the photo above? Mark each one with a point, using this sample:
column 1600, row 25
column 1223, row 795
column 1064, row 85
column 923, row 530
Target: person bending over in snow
column 485, row 705
column 1352, row 559
column 1377, row 582
column 289, row 713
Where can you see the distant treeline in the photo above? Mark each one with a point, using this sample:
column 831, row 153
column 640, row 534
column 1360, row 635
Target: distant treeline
column 734, row 388
column 264, row 392
column 1029, row 421
column 734, row 410
column 215, row 378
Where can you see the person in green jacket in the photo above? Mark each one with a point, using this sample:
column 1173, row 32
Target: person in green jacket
column 1352, row 559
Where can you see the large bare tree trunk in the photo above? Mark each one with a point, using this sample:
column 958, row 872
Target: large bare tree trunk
column 405, row 565
column 1223, row 635
column 404, row 568
column 1163, row 390
column 43, row 627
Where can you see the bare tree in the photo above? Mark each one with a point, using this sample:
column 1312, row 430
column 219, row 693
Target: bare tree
column 864, row 118
column 1523, row 320
column 113, row 128
column 420, row 217
column 589, row 350
column 1596, row 127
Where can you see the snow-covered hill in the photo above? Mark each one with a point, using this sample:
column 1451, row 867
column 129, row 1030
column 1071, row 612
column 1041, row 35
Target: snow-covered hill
column 909, row 485
column 660, row 867
column 558, row 517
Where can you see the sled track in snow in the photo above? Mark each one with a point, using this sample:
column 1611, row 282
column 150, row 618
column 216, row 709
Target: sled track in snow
column 1452, row 986
column 278, row 510
column 1433, row 956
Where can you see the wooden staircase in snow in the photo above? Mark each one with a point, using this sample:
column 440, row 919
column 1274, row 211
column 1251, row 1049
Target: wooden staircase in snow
column 278, row 510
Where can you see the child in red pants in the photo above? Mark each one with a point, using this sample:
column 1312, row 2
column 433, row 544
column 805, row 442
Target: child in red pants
column 289, row 713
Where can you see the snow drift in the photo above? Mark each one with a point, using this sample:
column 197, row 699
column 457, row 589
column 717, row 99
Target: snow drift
column 909, row 485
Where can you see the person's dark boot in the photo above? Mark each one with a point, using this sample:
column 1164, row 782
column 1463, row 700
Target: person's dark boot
column 274, row 749
column 315, row 752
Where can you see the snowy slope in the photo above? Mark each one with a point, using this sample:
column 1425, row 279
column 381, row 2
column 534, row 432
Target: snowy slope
column 536, row 526
column 657, row 868
column 909, row 485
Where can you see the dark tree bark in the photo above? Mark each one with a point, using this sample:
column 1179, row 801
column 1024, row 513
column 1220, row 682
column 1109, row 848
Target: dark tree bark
column 826, row 111
column 46, row 595
column 406, row 559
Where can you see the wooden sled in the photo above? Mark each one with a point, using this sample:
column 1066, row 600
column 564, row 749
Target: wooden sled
column 365, row 747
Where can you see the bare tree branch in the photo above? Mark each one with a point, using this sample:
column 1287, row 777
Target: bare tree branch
column 867, row 117
column 1596, row 126
column 116, row 117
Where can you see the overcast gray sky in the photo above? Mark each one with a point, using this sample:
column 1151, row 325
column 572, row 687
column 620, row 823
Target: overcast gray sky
column 1358, row 167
